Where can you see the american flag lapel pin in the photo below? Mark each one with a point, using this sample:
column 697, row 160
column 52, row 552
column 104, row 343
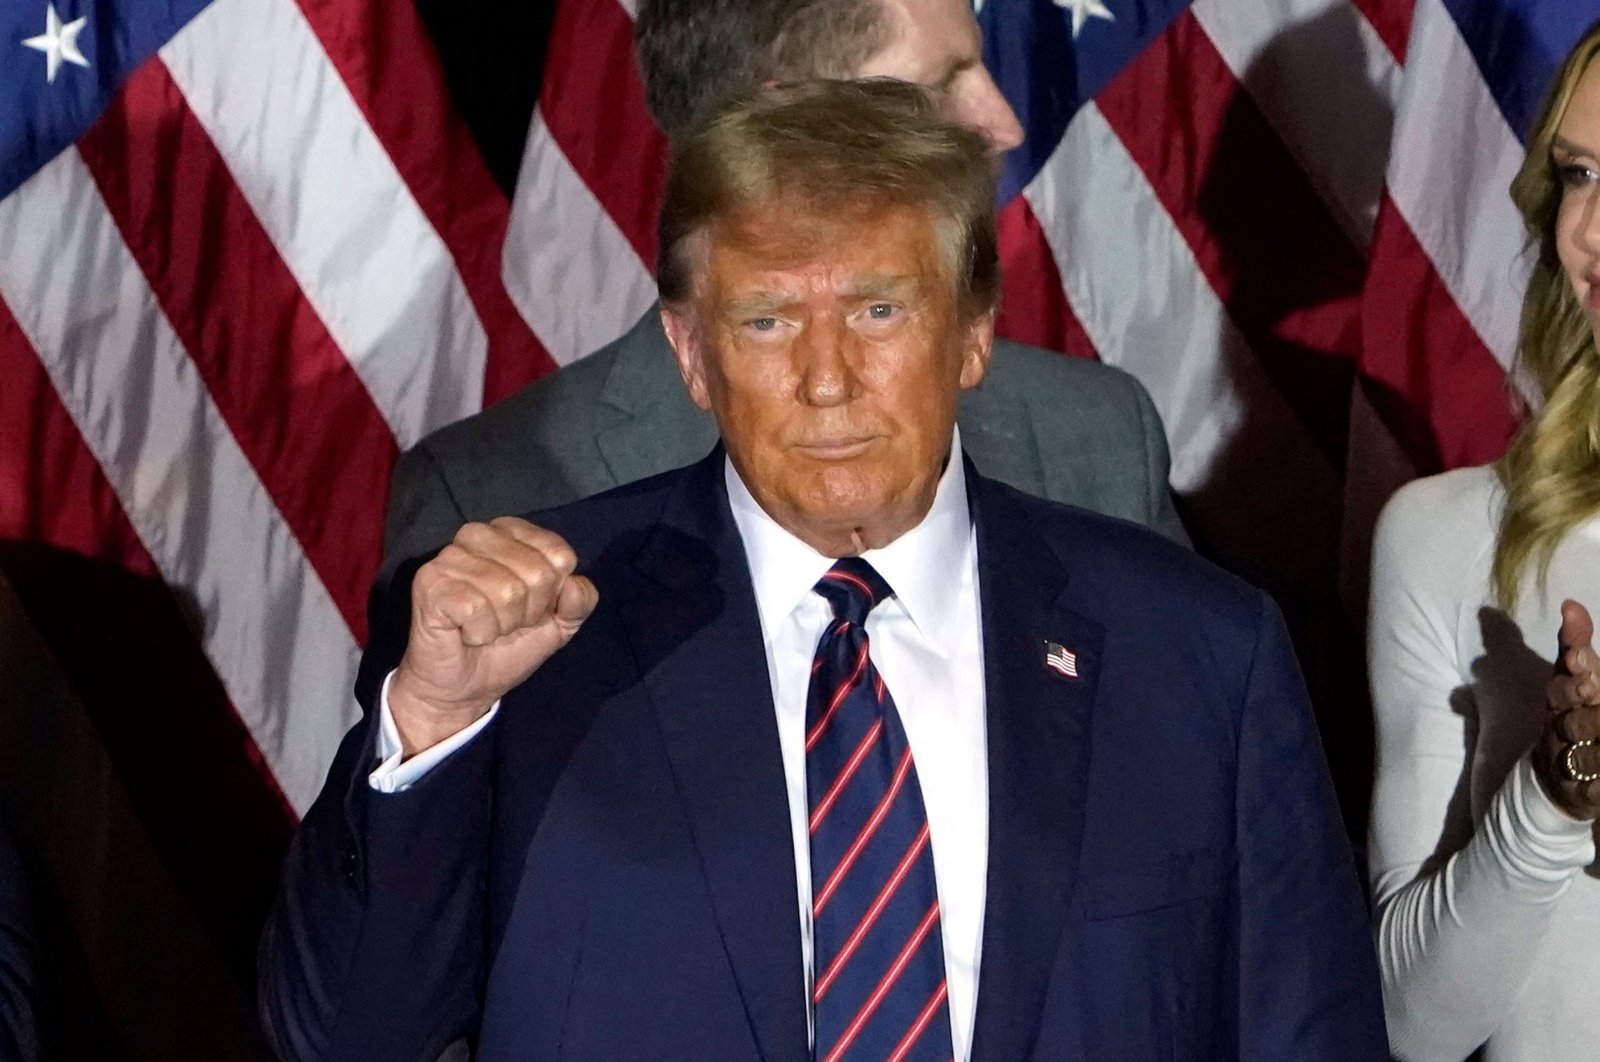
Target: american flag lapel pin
column 1060, row 659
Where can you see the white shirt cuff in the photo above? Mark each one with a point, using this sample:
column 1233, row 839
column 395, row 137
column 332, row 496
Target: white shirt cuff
column 395, row 773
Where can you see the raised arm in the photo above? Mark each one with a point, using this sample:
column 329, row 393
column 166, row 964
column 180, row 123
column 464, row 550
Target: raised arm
column 376, row 947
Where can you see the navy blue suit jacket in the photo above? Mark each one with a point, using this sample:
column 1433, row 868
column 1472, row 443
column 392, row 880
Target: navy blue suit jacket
column 607, row 871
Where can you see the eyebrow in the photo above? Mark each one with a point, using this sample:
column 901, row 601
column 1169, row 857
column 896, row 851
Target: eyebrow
column 1568, row 146
column 874, row 287
column 955, row 70
column 757, row 304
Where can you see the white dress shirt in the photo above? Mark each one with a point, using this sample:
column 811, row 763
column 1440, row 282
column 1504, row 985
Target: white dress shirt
column 926, row 642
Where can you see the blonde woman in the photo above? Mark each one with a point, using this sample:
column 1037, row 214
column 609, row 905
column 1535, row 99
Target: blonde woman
column 1485, row 883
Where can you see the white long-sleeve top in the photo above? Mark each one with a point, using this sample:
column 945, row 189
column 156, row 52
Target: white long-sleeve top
column 1487, row 895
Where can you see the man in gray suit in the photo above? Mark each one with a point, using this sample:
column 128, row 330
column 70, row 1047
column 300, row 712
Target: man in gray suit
column 1063, row 428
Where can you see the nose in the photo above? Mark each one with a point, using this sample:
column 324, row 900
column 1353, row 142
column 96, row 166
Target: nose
column 1588, row 231
column 824, row 363
column 991, row 115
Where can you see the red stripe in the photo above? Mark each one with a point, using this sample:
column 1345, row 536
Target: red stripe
column 870, row 919
column 892, row 975
column 1428, row 373
column 859, row 583
column 852, row 765
column 300, row 413
column 838, row 696
column 386, row 59
column 921, row 1024
column 1392, row 21
column 1264, row 239
column 867, row 830
column 211, row 805
column 622, row 157
column 1035, row 309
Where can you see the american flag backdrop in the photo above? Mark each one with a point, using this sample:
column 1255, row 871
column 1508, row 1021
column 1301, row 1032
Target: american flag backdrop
column 251, row 249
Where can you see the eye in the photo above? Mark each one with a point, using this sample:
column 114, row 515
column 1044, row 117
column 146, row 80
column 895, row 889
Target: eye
column 761, row 324
column 1575, row 174
column 882, row 311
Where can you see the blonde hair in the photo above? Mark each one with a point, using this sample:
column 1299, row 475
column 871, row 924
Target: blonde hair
column 830, row 148
column 1551, row 472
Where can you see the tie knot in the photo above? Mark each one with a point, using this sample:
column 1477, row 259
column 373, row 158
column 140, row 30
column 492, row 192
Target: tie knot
column 853, row 587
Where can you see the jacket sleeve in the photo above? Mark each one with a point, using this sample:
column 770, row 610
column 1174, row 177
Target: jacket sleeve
column 1308, row 976
column 375, row 949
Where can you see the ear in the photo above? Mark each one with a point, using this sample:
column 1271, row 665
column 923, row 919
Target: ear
column 683, row 334
column 977, row 345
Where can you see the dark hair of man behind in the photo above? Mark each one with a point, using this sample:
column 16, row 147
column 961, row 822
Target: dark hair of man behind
column 831, row 148
column 693, row 54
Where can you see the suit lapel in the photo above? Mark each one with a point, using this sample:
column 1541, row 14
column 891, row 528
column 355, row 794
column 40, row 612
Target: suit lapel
column 696, row 635
column 1038, row 747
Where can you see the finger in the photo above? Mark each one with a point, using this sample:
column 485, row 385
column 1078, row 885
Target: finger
column 555, row 548
column 1578, row 724
column 464, row 607
column 1576, row 638
column 1565, row 692
column 577, row 602
column 508, row 592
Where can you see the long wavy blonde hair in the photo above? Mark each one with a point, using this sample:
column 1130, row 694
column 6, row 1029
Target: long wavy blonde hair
column 1551, row 472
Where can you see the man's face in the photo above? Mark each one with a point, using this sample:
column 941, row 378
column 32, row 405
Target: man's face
column 936, row 43
column 831, row 352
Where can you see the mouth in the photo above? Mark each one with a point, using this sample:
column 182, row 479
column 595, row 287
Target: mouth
column 835, row 447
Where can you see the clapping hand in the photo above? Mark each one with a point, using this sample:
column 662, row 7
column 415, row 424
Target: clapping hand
column 1567, row 757
column 495, row 603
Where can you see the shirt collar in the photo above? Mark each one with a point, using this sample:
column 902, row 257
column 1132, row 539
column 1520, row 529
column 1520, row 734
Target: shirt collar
column 919, row 565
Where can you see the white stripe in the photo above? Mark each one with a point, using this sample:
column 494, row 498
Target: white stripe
column 330, row 198
column 1135, row 286
column 270, row 629
column 570, row 271
column 631, row 7
column 1454, row 157
column 1326, row 83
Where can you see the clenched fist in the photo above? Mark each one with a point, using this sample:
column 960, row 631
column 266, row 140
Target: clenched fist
column 495, row 603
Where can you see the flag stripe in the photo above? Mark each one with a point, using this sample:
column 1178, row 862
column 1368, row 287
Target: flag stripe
column 1391, row 21
column 92, row 590
column 1453, row 162
column 1340, row 139
column 326, row 193
column 1033, row 308
column 392, row 71
column 291, row 398
column 268, row 626
column 1201, row 377
column 1290, row 279
column 1443, row 393
column 569, row 268
column 593, row 105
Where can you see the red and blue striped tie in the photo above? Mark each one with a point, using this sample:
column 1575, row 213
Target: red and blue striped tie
column 879, row 959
